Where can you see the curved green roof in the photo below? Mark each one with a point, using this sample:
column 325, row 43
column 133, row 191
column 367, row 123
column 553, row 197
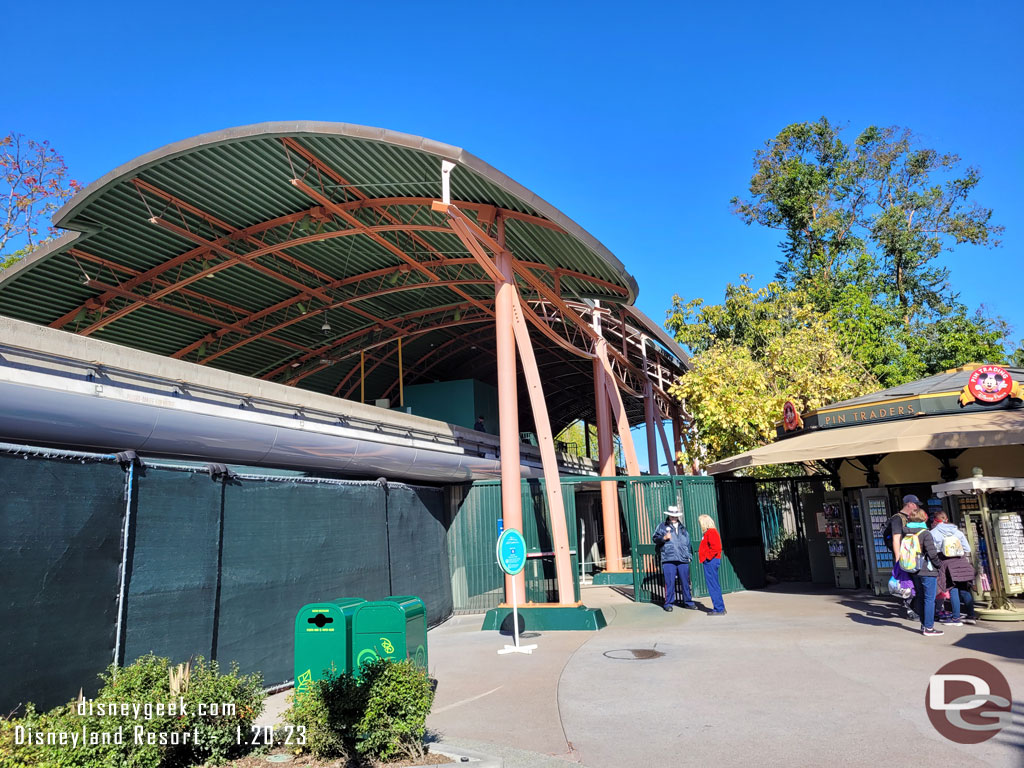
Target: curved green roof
column 283, row 250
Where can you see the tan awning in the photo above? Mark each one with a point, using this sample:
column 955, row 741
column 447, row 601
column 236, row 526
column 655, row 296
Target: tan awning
column 925, row 433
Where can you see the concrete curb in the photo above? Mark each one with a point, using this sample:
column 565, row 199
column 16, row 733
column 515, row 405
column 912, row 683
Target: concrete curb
column 497, row 755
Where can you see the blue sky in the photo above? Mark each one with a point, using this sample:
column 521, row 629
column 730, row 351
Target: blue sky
column 638, row 120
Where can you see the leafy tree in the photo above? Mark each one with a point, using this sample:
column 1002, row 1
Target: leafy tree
column 884, row 195
column 34, row 184
column 752, row 353
column 1017, row 359
column 863, row 225
column 573, row 434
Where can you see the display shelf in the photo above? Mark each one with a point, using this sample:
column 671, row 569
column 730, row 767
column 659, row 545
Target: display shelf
column 878, row 514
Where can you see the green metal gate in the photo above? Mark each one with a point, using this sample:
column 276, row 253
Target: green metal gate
column 647, row 499
column 477, row 583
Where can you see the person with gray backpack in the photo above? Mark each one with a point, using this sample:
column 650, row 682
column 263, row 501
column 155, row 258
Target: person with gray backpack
column 956, row 573
column 673, row 543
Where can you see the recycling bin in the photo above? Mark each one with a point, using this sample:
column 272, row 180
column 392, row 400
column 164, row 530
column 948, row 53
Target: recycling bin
column 323, row 639
column 393, row 628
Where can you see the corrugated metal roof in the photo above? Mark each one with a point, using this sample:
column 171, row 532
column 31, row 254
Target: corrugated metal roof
column 205, row 250
column 947, row 381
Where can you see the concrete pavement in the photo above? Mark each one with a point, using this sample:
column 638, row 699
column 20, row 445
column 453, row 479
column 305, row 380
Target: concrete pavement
column 789, row 677
column 786, row 678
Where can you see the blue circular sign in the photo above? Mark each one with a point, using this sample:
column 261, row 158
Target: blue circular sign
column 511, row 551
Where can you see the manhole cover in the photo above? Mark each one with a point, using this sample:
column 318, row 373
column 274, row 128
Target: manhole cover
column 633, row 654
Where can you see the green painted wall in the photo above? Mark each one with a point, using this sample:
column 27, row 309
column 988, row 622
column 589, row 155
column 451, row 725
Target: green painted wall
column 456, row 402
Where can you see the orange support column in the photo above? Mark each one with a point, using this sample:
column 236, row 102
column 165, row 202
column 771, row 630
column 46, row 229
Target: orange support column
column 677, row 440
column 508, row 416
column 669, row 456
column 606, row 464
column 652, row 437
column 549, row 462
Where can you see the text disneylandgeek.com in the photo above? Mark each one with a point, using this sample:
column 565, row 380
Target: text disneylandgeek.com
column 140, row 735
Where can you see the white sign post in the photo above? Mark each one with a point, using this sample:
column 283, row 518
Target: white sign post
column 512, row 559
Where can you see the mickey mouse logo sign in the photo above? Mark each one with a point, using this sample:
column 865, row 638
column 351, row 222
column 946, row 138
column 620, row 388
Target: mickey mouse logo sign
column 990, row 384
column 791, row 417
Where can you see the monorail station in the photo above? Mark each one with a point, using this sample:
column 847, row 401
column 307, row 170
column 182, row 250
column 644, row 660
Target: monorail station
column 289, row 362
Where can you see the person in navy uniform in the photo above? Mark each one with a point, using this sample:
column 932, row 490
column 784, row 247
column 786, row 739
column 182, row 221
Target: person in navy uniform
column 673, row 543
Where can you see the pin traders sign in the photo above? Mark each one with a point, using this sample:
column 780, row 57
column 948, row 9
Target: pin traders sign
column 990, row 384
column 868, row 413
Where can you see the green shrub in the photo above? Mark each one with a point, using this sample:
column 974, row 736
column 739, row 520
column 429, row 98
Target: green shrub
column 330, row 710
column 398, row 700
column 218, row 734
column 380, row 715
column 145, row 683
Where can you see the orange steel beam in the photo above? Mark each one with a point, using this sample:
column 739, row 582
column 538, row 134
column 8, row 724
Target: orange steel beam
column 610, row 507
column 652, row 443
column 384, row 358
column 377, row 361
column 543, row 290
column 358, row 334
column 377, row 237
column 670, row 460
column 549, row 461
column 249, row 260
column 211, row 219
column 421, row 366
column 466, row 226
column 323, row 167
column 361, row 370
column 181, row 311
column 291, row 218
column 381, row 360
column 114, row 267
column 619, row 413
column 485, row 211
column 508, row 414
column 472, row 245
column 325, row 350
column 284, row 305
column 606, row 468
column 180, row 260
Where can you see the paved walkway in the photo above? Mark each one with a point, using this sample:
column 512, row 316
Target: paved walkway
column 787, row 678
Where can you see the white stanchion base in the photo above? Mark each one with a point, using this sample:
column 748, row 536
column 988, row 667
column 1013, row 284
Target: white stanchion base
column 517, row 649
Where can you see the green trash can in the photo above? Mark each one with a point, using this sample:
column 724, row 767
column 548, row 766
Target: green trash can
column 393, row 628
column 323, row 639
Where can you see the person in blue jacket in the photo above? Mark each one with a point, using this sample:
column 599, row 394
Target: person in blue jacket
column 673, row 543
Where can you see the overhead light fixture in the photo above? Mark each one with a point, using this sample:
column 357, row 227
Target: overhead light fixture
column 393, row 278
column 326, row 327
column 302, row 308
column 458, row 315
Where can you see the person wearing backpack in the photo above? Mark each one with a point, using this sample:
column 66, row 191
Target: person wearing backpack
column 920, row 557
column 956, row 574
column 893, row 532
column 673, row 543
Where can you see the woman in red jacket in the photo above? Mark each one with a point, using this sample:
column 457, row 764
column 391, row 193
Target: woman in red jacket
column 710, row 554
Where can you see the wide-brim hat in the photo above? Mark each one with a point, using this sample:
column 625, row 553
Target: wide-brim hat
column 673, row 512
